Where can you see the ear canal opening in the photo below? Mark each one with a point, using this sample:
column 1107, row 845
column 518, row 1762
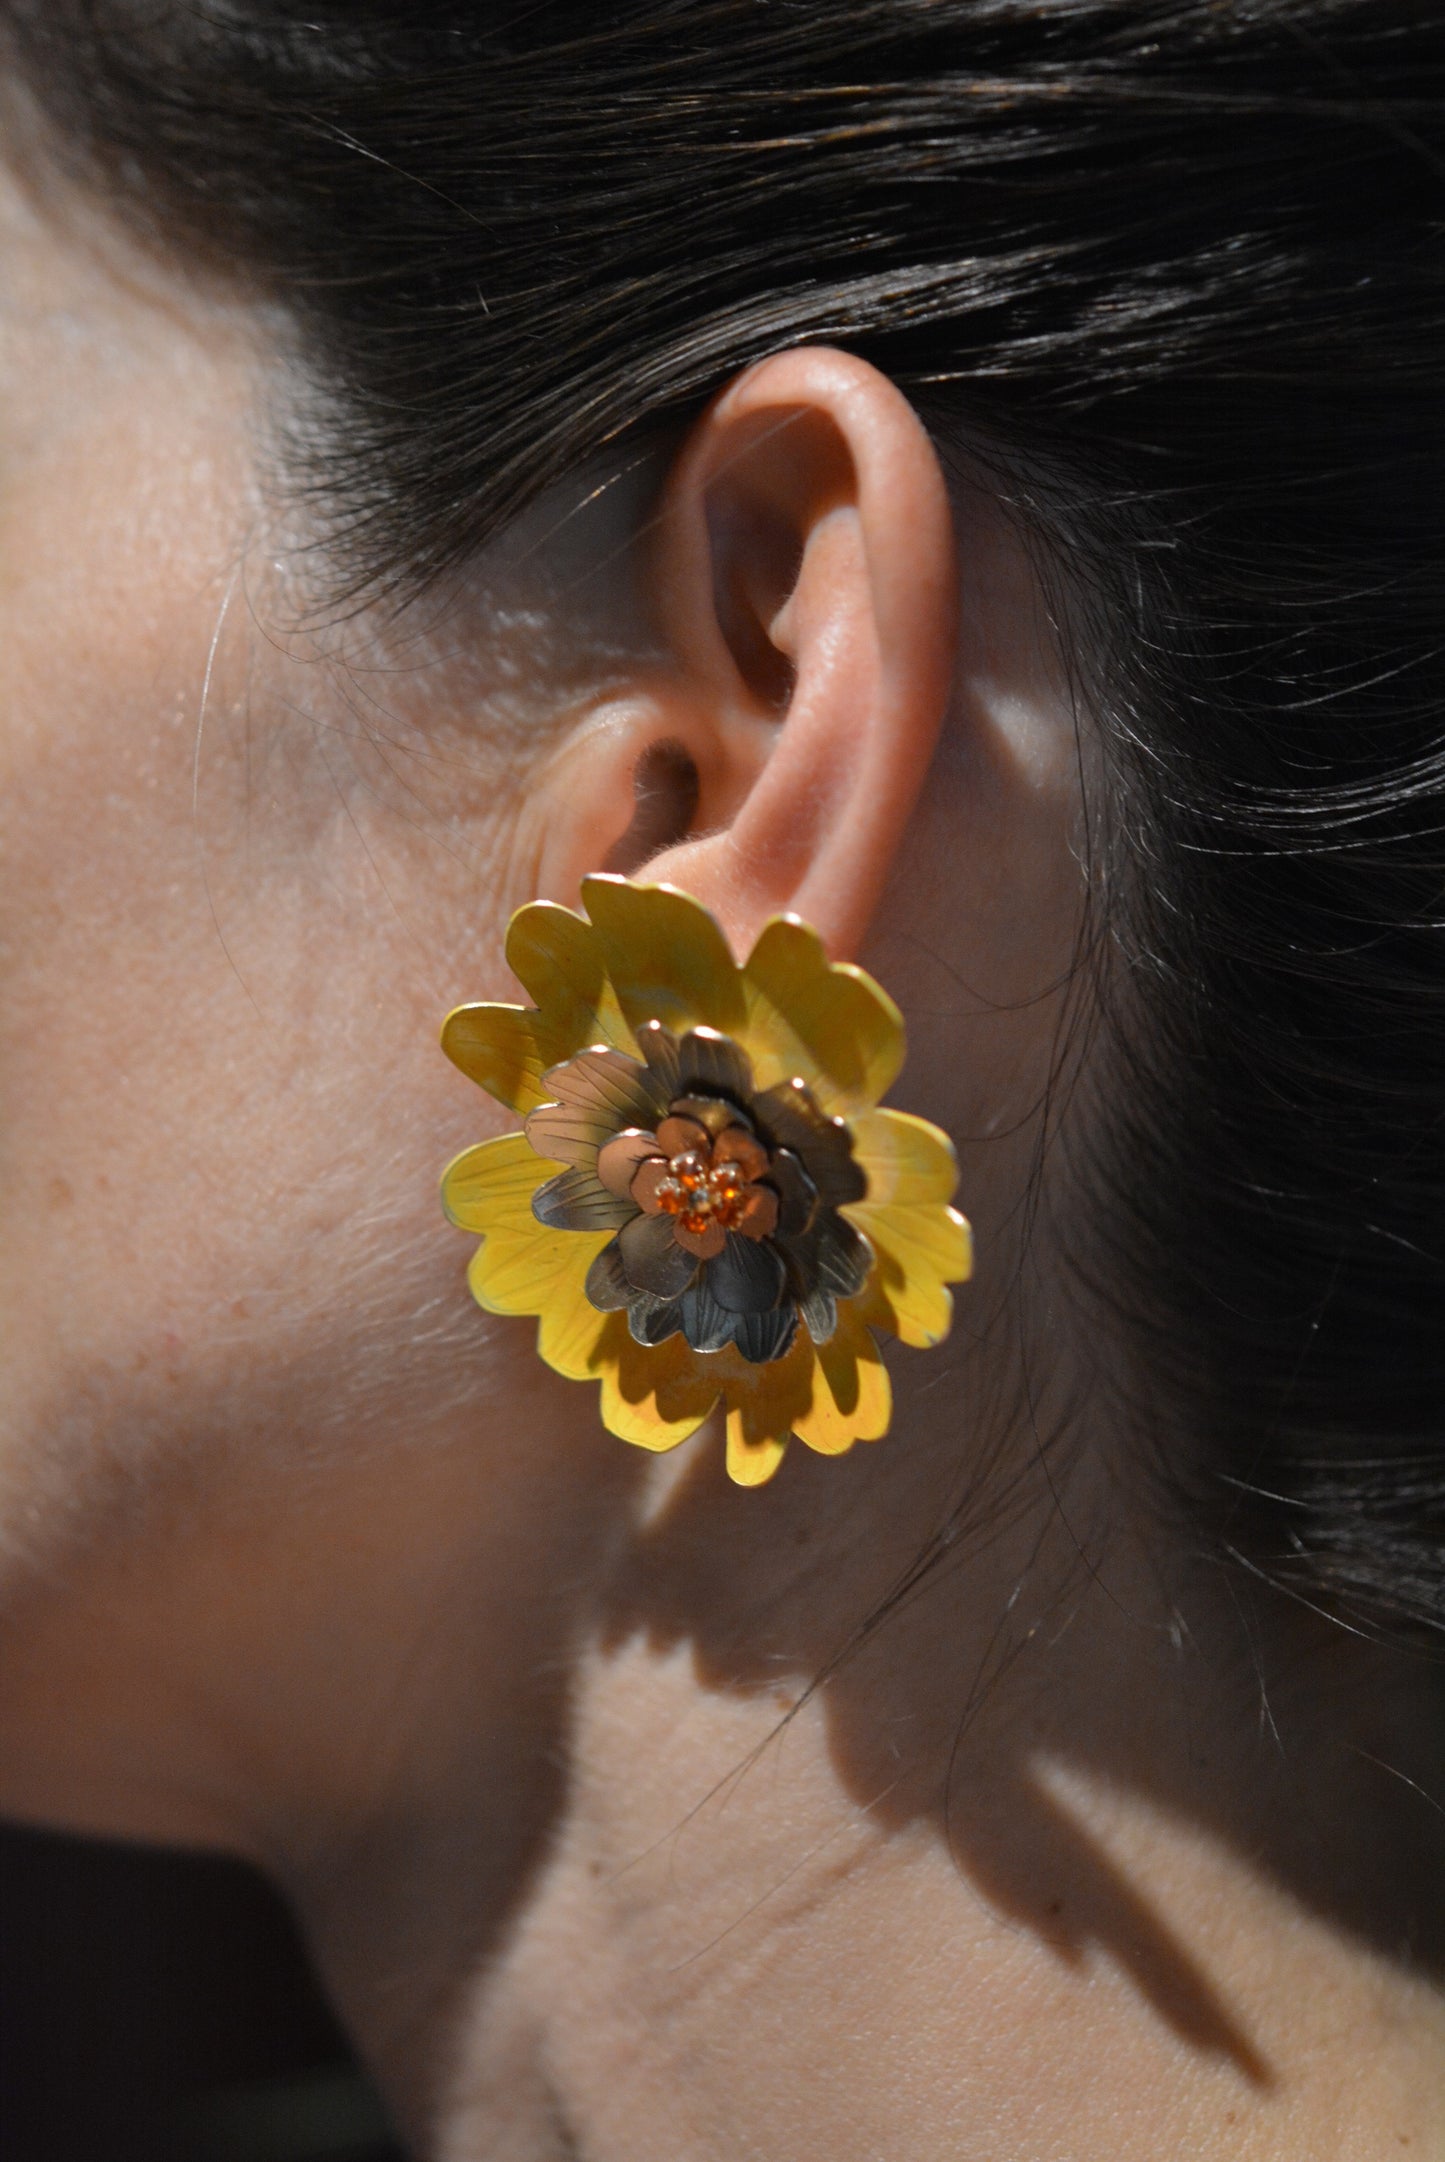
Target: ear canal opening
column 666, row 788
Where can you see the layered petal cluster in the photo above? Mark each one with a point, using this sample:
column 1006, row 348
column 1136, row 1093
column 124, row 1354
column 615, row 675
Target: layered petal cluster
column 707, row 1203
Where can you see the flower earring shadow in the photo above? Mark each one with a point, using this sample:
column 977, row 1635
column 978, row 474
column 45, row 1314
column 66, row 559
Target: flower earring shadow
column 707, row 1202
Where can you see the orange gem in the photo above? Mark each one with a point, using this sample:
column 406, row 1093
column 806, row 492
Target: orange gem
column 700, row 1194
column 725, row 1184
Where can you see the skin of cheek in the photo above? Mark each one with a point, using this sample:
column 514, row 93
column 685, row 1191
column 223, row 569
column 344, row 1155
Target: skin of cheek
column 223, row 1106
column 248, row 1400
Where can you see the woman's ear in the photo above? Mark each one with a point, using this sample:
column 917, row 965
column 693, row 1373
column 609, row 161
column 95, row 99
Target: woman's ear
column 802, row 574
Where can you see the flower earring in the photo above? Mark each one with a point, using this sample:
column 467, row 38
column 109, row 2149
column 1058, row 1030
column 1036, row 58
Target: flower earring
column 707, row 1202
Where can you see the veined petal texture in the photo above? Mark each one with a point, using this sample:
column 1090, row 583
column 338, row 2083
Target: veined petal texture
column 646, row 1033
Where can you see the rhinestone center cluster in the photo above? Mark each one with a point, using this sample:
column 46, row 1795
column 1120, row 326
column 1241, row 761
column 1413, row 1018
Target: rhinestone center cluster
column 699, row 1193
column 723, row 1200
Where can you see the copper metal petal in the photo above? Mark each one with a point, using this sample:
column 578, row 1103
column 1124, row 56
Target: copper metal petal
column 618, row 1089
column 606, row 1286
column 747, row 1278
column 706, row 1244
column 831, row 1261
column 680, row 1136
column 653, row 1259
column 576, row 1200
column 714, row 1113
column 759, row 1218
column 735, row 1145
column 567, row 1135
column 619, row 1159
column 650, row 1175
column 713, row 1064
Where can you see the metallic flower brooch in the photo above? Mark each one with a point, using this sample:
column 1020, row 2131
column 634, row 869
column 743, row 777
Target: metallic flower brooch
column 707, row 1202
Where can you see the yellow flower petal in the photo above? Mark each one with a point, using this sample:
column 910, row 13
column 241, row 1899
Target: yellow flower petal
column 907, row 1160
column 752, row 1458
column 830, row 1395
column 525, row 1272
column 652, row 1395
column 490, row 1187
column 666, row 956
column 832, row 1024
column 525, row 1267
column 918, row 1252
column 852, row 1394
column 505, row 1050
column 558, row 959
column 764, row 1404
column 920, row 1245
column 572, row 1336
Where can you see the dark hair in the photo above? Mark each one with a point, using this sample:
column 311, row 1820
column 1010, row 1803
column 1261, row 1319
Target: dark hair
column 1185, row 254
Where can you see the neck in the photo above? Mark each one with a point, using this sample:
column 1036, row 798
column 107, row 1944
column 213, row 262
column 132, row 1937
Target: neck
column 754, row 1776
column 1027, row 1848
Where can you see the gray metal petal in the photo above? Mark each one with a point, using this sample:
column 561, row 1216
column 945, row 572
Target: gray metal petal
column 831, row 1261
column 651, row 1320
column 576, row 1200
column 844, row 1256
column 607, row 1287
column 797, row 1195
column 748, row 1276
column 789, row 1118
column 658, row 1046
column 761, row 1337
column 706, row 1325
column 712, row 1064
column 819, row 1310
column 653, row 1259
